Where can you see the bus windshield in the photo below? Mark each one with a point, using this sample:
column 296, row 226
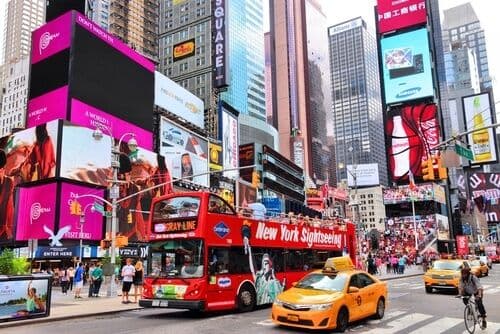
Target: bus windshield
column 176, row 207
column 178, row 258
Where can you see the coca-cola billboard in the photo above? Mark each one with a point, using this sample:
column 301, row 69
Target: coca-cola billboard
column 412, row 134
column 484, row 189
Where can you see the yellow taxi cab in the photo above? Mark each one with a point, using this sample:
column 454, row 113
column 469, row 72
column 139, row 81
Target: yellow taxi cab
column 443, row 275
column 331, row 298
column 479, row 268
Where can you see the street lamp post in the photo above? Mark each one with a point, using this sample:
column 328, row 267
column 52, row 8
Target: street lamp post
column 82, row 222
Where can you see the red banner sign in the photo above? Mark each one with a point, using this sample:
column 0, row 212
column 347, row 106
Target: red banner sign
column 462, row 245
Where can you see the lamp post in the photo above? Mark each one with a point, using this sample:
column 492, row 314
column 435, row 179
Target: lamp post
column 114, row 192
column 82, row 222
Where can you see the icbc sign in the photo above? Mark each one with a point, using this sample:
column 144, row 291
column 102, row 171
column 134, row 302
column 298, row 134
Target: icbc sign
column 398, row 14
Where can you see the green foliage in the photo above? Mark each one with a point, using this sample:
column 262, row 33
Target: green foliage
column 12, row 265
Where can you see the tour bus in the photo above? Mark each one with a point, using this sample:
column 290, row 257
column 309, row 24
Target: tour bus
column 204, row 256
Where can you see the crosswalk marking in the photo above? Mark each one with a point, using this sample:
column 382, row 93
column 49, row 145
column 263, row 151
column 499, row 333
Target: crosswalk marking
column 395, row 325
column 416, row 287
column 487, row 286
column 438, row 326
column 492, row 328
column 492, row 291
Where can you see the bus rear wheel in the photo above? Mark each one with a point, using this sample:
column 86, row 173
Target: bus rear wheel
column 246, row 298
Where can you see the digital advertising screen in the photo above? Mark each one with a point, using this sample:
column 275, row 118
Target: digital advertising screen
column 412, row 134
column 24, row 297
column 36, row 213
column 366, row 175
column 186, row 154
column 398, row 14
column 406, row 66
column 230, row 143
column 478, row 114
column 215, row 156
column 485, row 191
column 402, row 194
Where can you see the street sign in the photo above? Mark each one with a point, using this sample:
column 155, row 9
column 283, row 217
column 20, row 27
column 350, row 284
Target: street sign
column 464, row 152
column 98, row 207
column 109, row 214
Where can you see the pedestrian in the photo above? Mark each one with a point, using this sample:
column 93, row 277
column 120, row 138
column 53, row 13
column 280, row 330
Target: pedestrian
column 394, row 263
column 71, row 275
column 91, row 279
column 128, row 272
column 138, row 277
column 64, row 280
column 78, row 279
column 97, row 275
column 401, row 265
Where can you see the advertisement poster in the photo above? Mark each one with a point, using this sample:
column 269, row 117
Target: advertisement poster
column 366, row 175
column 215, row 156
column 398, row 14
column 406, row 66
column 179, row 101
column 36, row 214
column 485, row 191
column 478, row 114
column 402, row 231
column 462, row 245
column 24, row 298
column 412, row 134
column 401, row 194
column 186, row 154
column 47, row 107
column 443, row 227
column 230, row 143
column 92, row 226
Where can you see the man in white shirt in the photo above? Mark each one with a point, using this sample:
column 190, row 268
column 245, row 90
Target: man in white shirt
column 128, row 272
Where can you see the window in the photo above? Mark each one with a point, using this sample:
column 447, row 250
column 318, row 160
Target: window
column 219, row 206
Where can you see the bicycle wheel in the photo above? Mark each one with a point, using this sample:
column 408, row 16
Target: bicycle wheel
column 469, row 319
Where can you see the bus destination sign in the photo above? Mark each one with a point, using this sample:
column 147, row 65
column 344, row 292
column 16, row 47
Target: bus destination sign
column 175, row 226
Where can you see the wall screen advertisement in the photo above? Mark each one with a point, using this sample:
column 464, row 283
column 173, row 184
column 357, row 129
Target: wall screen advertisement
column 366, row 175
column 398, row 14
column 478, row 114
column 406, row 66
column 179, row 101
column 412, row 134
column 36, row 212
column 230, row 143
column 186, row 154
column 69, row 225
column 24, row 297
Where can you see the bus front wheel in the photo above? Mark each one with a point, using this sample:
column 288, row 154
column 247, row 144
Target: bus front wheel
column 246, row 298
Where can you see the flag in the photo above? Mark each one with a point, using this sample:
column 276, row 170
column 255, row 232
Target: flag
column 412, row 185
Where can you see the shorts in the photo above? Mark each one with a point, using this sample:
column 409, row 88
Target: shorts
column 138, row 283
column 126, row 286
column 78, row 284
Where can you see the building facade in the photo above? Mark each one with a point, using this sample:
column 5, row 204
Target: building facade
column 371, row 208
column 98, row 12
column 301, row 104
column 357, row 106
column 14, row 99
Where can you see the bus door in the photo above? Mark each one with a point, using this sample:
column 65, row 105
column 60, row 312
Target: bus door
column 221, row 286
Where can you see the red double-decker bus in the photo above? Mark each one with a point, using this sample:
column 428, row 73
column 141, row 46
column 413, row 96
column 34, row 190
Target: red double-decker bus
column 204, row 256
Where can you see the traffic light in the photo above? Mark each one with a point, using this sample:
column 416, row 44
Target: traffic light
column 75, row 208
column 428, row 169
column 105, row 244
column 129, row 218
column 121, row 241
column 255, row 179
column 442, row 171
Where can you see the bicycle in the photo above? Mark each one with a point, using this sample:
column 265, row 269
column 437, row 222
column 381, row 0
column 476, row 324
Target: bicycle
column 471, row 314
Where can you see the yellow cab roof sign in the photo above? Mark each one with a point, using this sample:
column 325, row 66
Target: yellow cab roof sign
column 340, row 263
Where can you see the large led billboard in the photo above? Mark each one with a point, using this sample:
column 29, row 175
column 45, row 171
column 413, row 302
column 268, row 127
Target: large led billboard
column 485, row 191
column 412, row 134
column 230, row 142
column 478, row 114
column 366, row 175
column 398, row 14
column 186, row 154
column 179, row 101
column 406, row 66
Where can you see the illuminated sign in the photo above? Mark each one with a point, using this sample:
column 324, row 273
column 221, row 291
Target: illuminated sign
column 220, row 44
column 406, row 66
column 397, row 14
column 184, row 50
column 176, row 226
column 356, row 23
column 215, row 156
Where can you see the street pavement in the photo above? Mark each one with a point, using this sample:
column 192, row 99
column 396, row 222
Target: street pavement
column 65, row 307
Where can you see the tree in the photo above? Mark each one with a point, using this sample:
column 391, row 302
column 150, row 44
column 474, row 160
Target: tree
column 12, row 265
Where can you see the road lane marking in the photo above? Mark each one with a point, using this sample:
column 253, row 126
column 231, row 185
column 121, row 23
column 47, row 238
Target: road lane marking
column 267, row 322
column 492, row 291
column 402, row 323
column 438, row 326
column 388, row 316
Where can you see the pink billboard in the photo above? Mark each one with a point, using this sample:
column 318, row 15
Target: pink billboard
column 92, row 227
column 36, row 213
column 51, row 38
column 398, row 14
column 90, row 117
column 47, row 107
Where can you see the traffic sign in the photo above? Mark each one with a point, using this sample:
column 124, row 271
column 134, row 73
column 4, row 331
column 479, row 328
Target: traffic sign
column 464, row 152
column 98, row 207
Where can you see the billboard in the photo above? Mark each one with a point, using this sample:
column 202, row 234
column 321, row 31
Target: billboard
column 92, row 227
column 398, row 14
column 485, row 191
column 478, row 114
column 184, row 49
column 215, row 156
column 230, row 142
column 406, row 66
column 179, row 101
column 36, row 213
column 220, row 44
column 366, row 175
column 412, row 134
column 47, row 107
column 51, row 38
column 462, row 244
column 186, row 154
column 402, row 194
column 443, row 227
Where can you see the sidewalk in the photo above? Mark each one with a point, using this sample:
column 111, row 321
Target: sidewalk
column 65, row 307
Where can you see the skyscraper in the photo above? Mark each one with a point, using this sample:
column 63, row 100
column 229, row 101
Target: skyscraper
column 461, row 28
column 357, row 106
column 301, row 104
column 15, row 94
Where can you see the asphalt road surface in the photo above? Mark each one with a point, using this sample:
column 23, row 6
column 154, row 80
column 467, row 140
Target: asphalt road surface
column 409, row 310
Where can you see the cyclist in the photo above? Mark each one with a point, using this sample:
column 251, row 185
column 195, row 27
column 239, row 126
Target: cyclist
column 469, row 285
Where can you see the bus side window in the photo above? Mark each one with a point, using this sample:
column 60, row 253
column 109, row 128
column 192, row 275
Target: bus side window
column 238, row 261
column 218, row 260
